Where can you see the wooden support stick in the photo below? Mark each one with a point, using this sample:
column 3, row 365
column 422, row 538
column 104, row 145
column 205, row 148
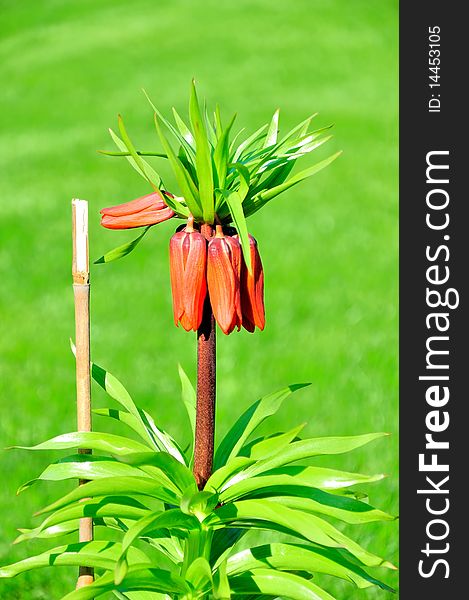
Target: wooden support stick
column 81, row 292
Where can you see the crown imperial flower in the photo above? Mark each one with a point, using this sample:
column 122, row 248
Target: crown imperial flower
column 223, row 278
column 216, row 269
column 252, row 290
column 236, row 294
column 187, row 260
column 147, row 210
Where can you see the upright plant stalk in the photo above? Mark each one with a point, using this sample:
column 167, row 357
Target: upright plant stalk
column 81, row 292
column 206, row 390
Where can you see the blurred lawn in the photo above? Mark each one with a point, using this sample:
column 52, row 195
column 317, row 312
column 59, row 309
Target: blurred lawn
column 67, row 68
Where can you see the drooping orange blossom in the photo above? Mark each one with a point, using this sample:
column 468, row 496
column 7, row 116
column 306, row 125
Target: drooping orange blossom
column 199, row 265
column 147, row 210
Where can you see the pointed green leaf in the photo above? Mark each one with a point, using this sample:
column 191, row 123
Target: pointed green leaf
column 221, row 585
column 170, row 519
column 115, row 506
column 235, row 170
column 259, row 201
column 144, row 168
column 236, row 465
column 189, row 398
column 188, row 147
column 83, row 466
column 198, row 503
column 298, row 494
column 203, row 158
column 235, row 204
column 186, row 185
column 234, row 140
column 268, row 582
column 167, row 442
column 271, row 137
column 299, row 130
column 245, row 178
column 348, row 510
column 266, row 514
column 114, row 486
column 123, row 417
column 137, row 578
column 127, row 153
column 209, row 126
column 97, row 554
column 199, row 574
column 146, row 428
column 248, row 142
column 183, row 129
column 217, row 121
column 293, row 557
column 137, row 162
column 49, row 532
column 176, row 472
column 249, row 421
column 121, row 251
column 117, row 391
column 317, row 477
column 310, row 448
column 94, row 440
column 221, row 154
column 271, row 445
column 140, row 596
column 274, row 178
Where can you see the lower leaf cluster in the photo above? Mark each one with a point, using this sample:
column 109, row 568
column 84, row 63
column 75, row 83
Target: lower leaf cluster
column 175, row 541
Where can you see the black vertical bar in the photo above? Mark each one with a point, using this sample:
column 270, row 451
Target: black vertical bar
column 433, row 120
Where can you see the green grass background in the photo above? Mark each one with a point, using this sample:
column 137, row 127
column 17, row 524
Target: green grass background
column 329, row 246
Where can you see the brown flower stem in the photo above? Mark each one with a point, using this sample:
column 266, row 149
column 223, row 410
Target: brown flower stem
column 206, row 390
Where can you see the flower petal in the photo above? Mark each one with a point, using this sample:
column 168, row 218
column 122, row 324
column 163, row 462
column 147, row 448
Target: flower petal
column 195, row 282
column 176, row 269
column 186, row 322
column 222, row 284
column 139, row 219
column 152, row 201
column 252, row 291
column 236, row 262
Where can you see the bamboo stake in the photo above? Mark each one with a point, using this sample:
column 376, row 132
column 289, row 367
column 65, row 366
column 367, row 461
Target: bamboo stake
column 81, row 292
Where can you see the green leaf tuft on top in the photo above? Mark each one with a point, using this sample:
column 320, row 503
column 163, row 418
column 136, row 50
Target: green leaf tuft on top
column 223, row 180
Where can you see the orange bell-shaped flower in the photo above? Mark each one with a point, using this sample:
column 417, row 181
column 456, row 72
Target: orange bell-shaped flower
column 147, row 210
column 252, row 290
column 187, row 262
column 223, row 279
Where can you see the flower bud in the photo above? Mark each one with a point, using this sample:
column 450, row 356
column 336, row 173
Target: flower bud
column 223, row 279
column 187, row 260
column 147, row 210
column 252, row 290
